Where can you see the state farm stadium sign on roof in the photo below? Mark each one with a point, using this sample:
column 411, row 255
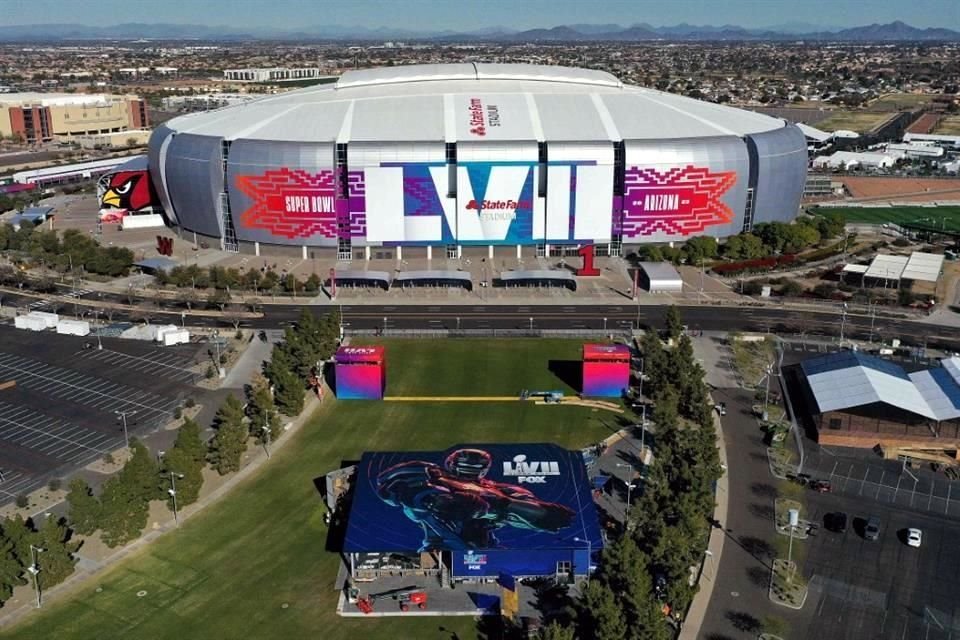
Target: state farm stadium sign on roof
column 474, row 154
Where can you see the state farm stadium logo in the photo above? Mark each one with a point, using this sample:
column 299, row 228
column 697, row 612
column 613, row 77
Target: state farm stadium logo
column 498, row 209
column 530, row 472
column 678, row 202
column 481, row 118
column 291, row 203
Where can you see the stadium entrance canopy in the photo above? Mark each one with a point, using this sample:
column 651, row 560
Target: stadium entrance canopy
column 538, row 278
column 481, row 510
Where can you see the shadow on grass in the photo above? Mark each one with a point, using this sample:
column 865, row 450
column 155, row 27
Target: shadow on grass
column 568, row 372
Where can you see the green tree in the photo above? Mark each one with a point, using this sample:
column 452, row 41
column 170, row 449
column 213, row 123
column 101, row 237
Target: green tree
column 556, row 631
column 21, row 535
column 140, row 473
column 289, row 392
column 123, row 512
column 230, row 441
column 700, row 248
column 830, row 225
column 187, row 478
column 625, row 569
column 85, row 508
column 600, row 615
column 263, row 411
column 673, row 323
column 11, row 570
column 188, row 441
column 57, row 561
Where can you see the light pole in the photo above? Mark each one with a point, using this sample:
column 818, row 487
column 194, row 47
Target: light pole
column 221, row 372
column 266, row 432
column 34, row 570
column 96, row 313
column 873, row 318
column 173, row 494
column 123, row 416
column 625, row 465
column 604, row 324
column 183, row 319
column 794, row 515
column 531, row 324
column 843, row 321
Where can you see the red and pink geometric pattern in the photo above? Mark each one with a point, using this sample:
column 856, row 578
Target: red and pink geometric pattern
column 291, row 203
column 681, row 201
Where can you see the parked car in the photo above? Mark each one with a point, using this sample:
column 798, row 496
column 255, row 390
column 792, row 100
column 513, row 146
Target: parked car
column 821, row 486
column 835, row 521
column 872, row 530
column 914, row 537
column 722, row 408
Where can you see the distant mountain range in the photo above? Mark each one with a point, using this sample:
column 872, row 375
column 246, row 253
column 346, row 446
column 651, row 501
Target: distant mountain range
column 893, row 32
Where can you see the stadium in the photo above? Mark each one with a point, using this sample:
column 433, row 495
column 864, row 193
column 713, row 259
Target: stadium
column 471, row 159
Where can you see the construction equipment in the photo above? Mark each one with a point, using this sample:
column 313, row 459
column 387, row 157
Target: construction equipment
column 407, row 597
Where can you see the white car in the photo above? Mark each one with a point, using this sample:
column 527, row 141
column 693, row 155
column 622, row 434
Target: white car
column 914, row 537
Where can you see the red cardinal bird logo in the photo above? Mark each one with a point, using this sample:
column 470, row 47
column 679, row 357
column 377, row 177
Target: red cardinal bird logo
column 128, row 190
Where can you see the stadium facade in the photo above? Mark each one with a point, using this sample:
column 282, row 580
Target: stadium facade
column 467, row 158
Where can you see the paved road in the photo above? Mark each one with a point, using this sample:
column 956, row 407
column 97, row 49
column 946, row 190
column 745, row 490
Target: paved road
column 537, row 317
column 739, row 602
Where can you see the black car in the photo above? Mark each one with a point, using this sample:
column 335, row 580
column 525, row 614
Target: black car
column 835, row 521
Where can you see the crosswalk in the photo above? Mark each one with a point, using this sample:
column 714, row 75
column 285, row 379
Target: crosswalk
column 37, row 305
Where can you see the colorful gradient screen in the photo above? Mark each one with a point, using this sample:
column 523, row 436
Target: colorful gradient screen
column 361, row 373
column 606, row 370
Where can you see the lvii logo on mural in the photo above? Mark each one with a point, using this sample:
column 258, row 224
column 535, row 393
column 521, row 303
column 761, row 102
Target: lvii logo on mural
column 680, row 202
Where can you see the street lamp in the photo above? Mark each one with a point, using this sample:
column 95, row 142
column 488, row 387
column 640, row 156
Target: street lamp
column 34, row 570
column 173, row 494
column 625, row 465
column 96, row 313
column 531, row 324
column 794, row 515
column 123, row 415
column 221, row 371
column 266, row 432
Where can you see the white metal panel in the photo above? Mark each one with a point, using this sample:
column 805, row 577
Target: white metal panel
column 593, row 214
column 384, row 199
column 539, row 218
column 923, row 266
column 566, row 116
column 504, row 184
column 398, row 118
column 546, row 73
column 598, row 152
column 308, row 122
column 938, row 401
column 422, row 228
column 406, row 73
column 497, row 152
column 365, row 154
column 558, row 202
column 483, row 116
column 887, row 267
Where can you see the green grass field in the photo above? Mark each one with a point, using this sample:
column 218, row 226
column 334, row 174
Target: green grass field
column 900, row 101
column 940, row 217
column 254, row 565
column 949, row 126
column 859, row 121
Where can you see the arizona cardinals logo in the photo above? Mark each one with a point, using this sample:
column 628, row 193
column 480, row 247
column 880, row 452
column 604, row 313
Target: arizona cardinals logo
column 128, row 190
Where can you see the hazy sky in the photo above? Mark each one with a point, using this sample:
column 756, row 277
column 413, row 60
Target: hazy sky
column 472, row 14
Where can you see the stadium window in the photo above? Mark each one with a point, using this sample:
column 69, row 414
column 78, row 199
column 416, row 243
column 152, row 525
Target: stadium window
column 564, row 567
column 835, row 423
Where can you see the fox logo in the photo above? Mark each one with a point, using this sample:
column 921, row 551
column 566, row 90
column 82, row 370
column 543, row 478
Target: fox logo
column 164, row 246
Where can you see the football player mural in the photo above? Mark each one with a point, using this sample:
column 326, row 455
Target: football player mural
column 124, row 193
column 458, row 507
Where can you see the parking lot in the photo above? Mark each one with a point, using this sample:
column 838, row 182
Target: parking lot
column 881, row 589
column 66, row 407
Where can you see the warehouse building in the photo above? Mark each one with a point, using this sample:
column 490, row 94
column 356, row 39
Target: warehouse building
column 42, row 117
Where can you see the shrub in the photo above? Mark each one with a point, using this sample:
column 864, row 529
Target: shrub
column 23, row 501
column 901, row 242
column 210, row 372
column 54, row 485
column 190, row 403
column 177, row 413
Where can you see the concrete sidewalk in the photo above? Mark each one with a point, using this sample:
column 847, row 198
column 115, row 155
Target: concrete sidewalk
column 708, row 570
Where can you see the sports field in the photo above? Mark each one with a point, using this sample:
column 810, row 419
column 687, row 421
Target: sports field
column 940, row 217
column 949, row 126
column 254, row 565
column 859, row 121
column 900, row 101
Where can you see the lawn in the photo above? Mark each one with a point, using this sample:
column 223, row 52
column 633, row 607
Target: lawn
column 254, row 565
column 859, row 121
column 949, row 126
column 941, row 217
column 468, row 367
column 900, row 101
